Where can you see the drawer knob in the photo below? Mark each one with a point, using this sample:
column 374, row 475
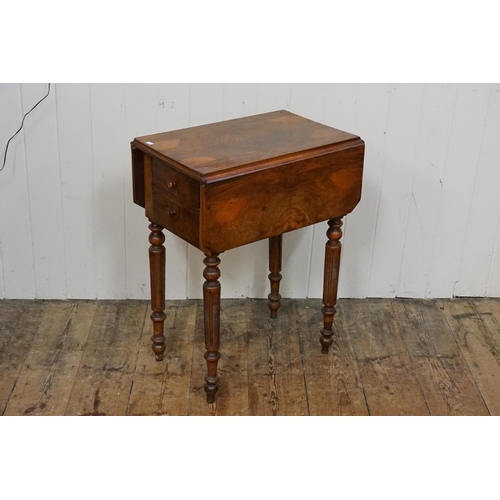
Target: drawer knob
column 171, row 184
column 172, row 213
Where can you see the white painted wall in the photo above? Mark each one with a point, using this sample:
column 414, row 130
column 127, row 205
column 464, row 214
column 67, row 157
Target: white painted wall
column 427, row 225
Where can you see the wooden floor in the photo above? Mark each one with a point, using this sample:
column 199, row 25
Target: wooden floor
column 389, row 357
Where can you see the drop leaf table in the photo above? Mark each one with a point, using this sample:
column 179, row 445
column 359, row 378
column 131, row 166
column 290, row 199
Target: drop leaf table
column 226, row 184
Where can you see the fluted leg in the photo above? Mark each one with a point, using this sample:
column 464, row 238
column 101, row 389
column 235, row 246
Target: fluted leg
column 157, row 271
column 331, row 281
column 274, row 276
column 211, row 307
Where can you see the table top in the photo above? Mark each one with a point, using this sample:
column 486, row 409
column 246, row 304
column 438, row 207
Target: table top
column 236, row 146
column 226, row 184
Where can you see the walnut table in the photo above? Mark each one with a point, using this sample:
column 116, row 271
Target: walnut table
column 226, row 184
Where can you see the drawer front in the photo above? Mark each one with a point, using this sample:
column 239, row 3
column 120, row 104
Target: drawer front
column 176, row 218
column 175, row 185
column 269, row 202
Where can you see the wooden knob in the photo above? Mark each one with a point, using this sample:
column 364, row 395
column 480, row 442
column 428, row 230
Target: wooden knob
column 171, row 184
column 172, row 213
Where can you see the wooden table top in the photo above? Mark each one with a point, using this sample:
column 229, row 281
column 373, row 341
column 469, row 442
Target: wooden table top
column 226, row 184
column 232, row 147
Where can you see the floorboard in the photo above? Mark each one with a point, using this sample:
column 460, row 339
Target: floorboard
column 276, row 383
column 442, row 372
column 475, row 330
column 332, row 381
column 19, row 322
column 162, row 388
column 389, row 357
column 389, row 383
column 104, row 378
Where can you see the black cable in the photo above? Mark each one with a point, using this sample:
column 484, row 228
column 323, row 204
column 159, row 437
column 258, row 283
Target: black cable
column 20, row 128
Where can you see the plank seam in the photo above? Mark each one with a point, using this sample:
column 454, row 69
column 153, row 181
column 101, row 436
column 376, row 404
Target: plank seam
column 61, row 193
column 472, row 198
column 377, row 210
column 413, row 371
column 81, row 357
column 94, row 239
column 196, row 325
column 136, row 357
column 441, row 198
column 28, row 193
column 124, row 185
column 465, row 360
column 21, row 366
column 301, row 350
column 52, row 369
column 410, row 198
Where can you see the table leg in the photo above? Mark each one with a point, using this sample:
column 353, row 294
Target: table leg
column 211, row 308
column 157, row 271
column 274, row 297
column 331, row 281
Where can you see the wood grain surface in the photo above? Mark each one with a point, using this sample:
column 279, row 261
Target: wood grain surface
column 388, row 357
column 227, row 184
column 209, row 150
column 270, row 202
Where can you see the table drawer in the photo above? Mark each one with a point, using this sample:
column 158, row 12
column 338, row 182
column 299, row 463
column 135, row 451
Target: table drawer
column 176, row 218
column 175, row 185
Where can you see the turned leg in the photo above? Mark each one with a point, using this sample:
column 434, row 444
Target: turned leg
column 157, row 271
column 274, row 275
column 331, row 281
column 211, row 308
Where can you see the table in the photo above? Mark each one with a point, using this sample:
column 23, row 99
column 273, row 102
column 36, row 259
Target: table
column 226, row 184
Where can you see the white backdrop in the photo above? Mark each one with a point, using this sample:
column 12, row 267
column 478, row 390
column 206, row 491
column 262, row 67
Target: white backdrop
column 427, row 225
